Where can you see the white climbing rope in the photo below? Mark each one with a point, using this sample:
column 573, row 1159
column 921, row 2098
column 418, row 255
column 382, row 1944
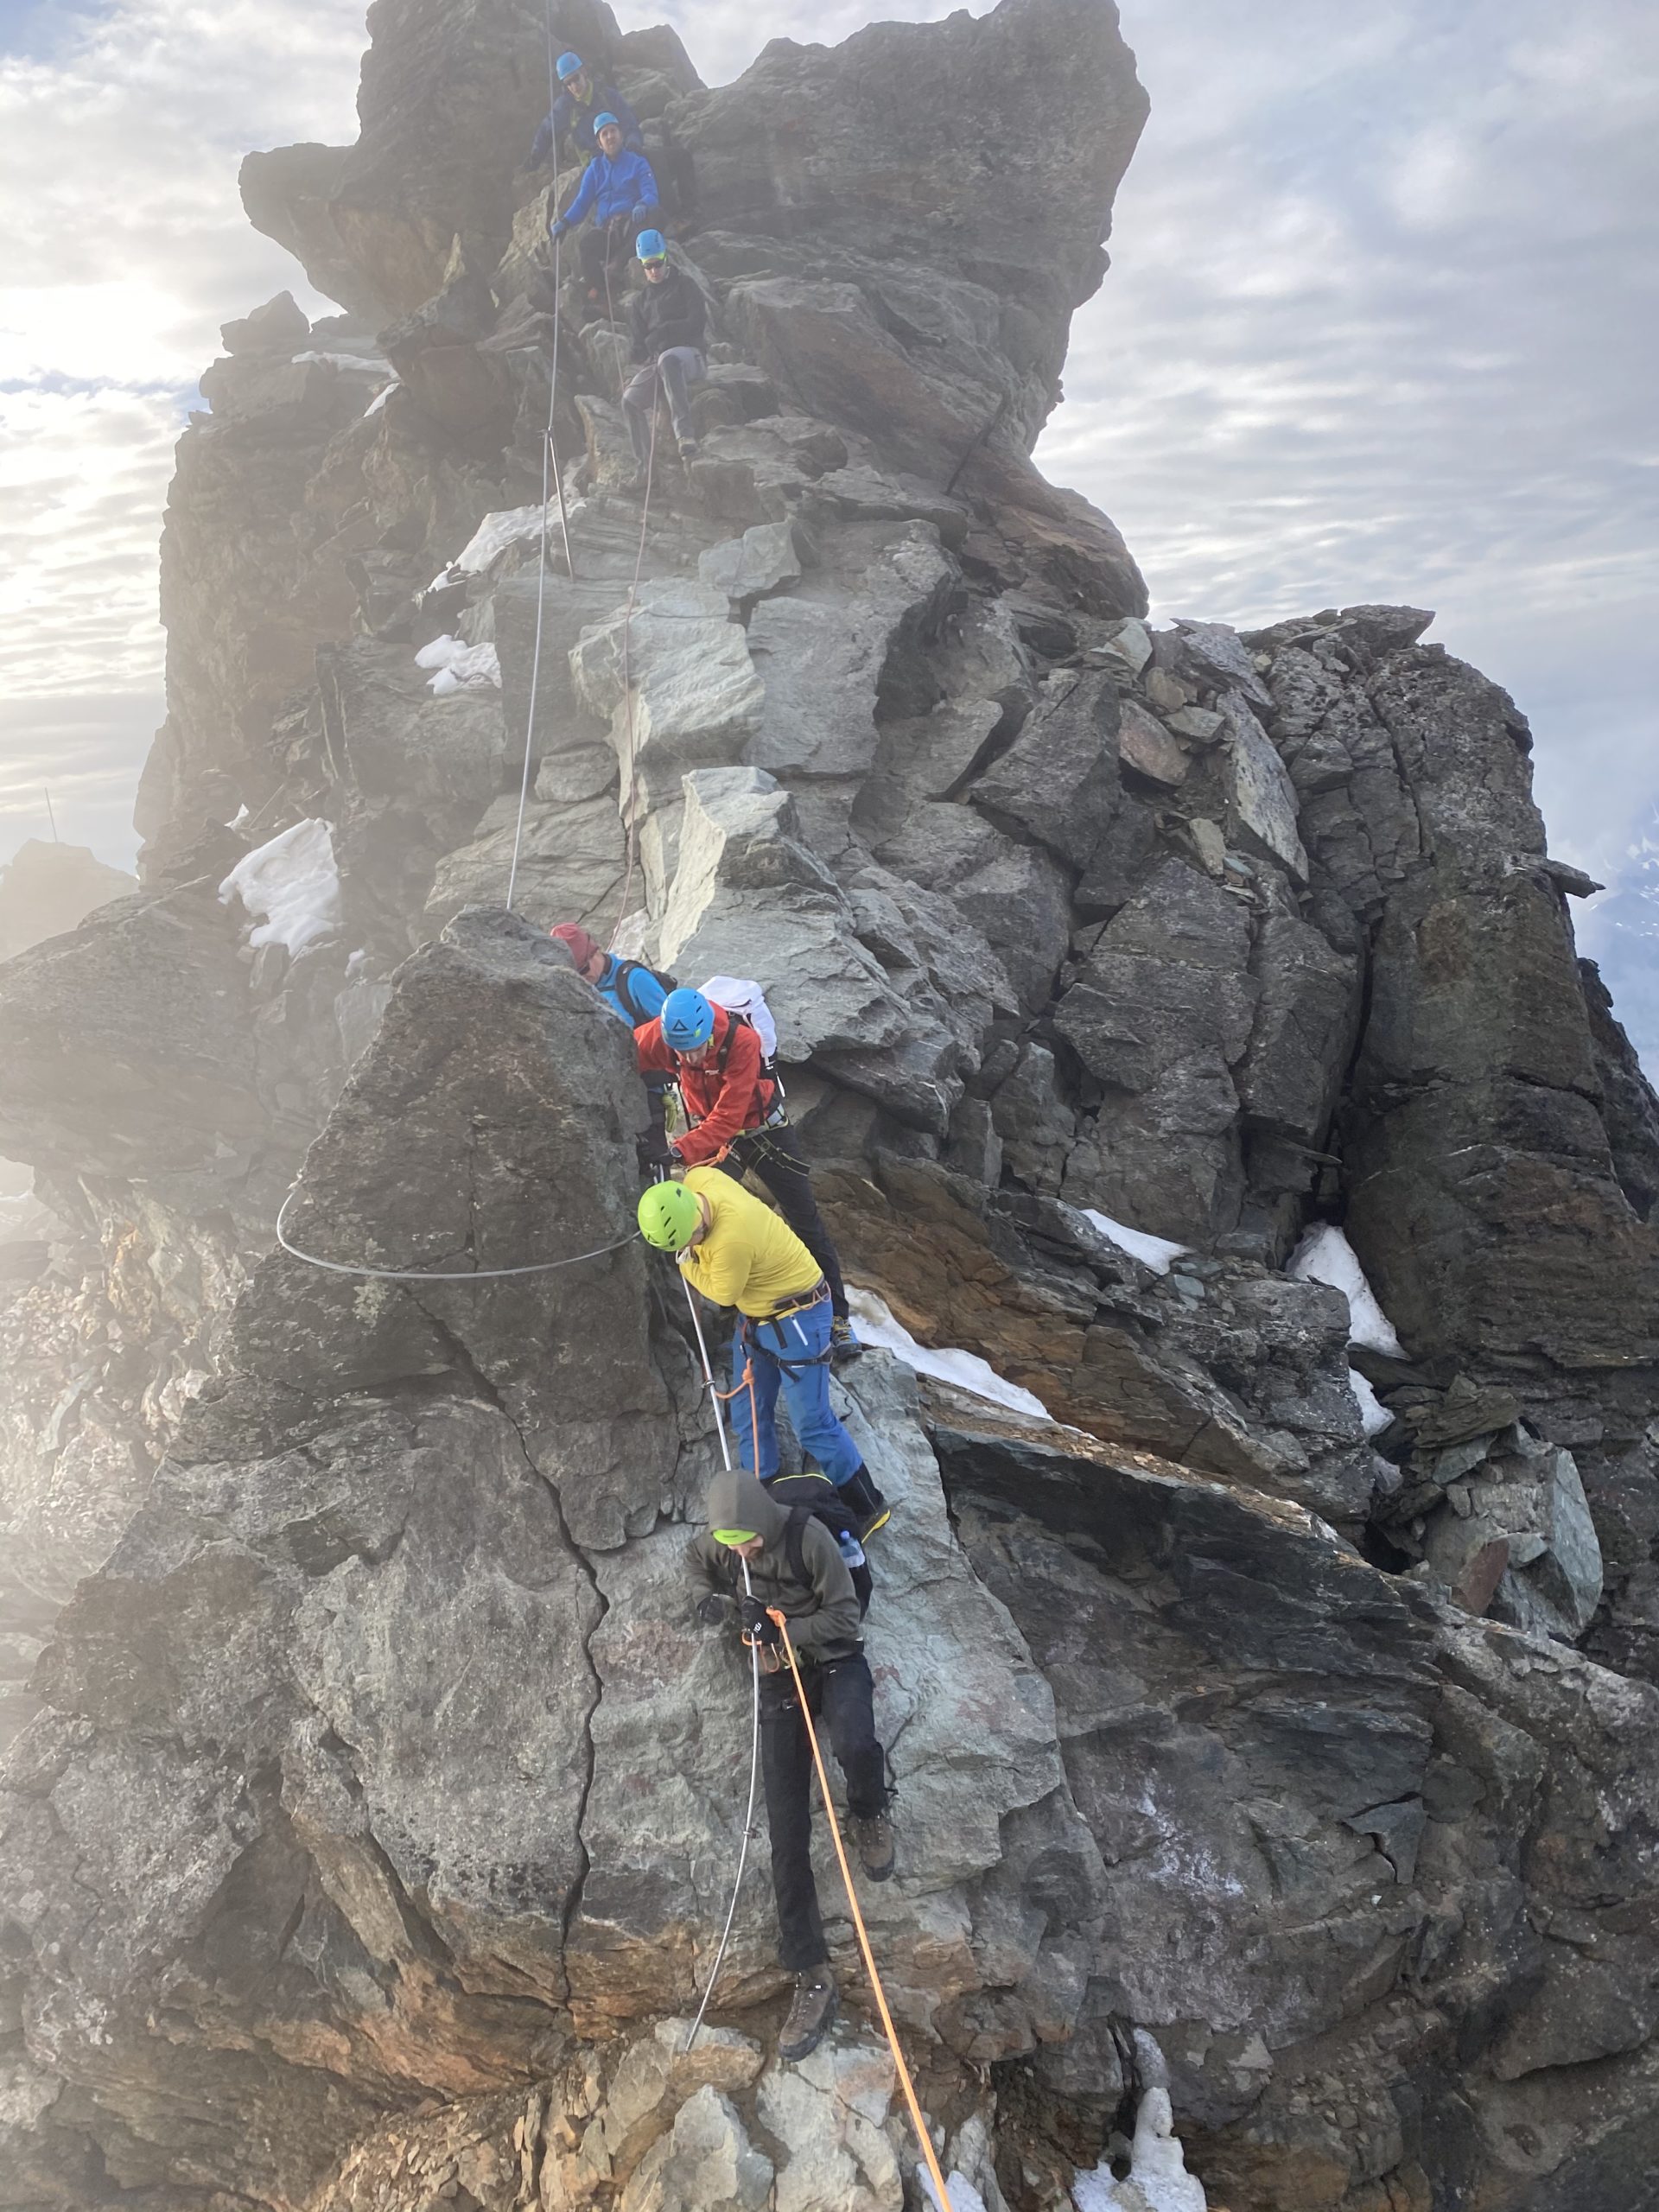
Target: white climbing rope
column 549, row 461
column 754, row 1685
column 435, row 1274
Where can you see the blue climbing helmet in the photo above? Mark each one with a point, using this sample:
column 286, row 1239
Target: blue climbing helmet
column 569, row 66
column 688, row 1020
column 600, row 122
column 651, row 245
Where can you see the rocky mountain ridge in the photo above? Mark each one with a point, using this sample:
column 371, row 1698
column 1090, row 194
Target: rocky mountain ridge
column 370, row 1831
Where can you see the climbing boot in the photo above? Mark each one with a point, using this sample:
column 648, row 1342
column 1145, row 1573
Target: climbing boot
column 689, row 449
column 843, row 1345
column 810, row 2015
column 873, row 1834
column 870, row 1509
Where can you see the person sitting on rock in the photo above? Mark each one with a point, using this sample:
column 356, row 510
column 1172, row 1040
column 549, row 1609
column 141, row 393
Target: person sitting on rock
column 744, row 1567
column 736, row 1111
column 670, row 323
column 619, row 189
column 734, row 1249
column 572, row 124
column 632, row 990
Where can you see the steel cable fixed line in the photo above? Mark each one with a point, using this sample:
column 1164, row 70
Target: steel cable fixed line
column 435, row 1274
column 549, row 470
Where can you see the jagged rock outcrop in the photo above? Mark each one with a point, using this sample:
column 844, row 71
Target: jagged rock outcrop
column 46, row 889
column 1275, row 1722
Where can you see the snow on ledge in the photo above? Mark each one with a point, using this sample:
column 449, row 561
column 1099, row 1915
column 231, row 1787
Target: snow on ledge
column 373, row 364
column 1153, row 1252
column 965, row 1370
column 290, row 886
column 1325, row 1256
column 1374, row 1415
column 457, row 667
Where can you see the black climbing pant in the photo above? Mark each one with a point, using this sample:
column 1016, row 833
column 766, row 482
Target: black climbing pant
column 612, row 244
column 774, row 1154
column 840, row 1694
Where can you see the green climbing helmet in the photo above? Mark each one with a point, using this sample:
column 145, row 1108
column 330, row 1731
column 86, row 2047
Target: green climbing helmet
column 669, row 1217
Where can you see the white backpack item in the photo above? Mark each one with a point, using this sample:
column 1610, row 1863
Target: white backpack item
column 738, row 996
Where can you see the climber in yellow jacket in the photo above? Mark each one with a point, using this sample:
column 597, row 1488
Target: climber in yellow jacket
column 737, row 1252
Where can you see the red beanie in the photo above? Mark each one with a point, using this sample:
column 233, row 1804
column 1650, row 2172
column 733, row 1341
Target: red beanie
column 583, row 947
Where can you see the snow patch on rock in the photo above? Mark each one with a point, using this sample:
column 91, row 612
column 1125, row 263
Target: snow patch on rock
column 1374, row 1415
column 1155, row 1252
column 966, row 1371
column 1325, row 1256
column 458, row 667
column 291, row 887
column 1158, row 2180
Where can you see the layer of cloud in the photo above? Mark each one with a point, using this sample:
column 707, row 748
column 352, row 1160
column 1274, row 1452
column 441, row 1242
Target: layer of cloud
column 85, row 747
column 1381, row 327
column 121, row 131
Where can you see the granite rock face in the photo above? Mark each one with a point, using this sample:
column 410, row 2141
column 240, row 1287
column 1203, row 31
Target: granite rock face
column 1274, row 1721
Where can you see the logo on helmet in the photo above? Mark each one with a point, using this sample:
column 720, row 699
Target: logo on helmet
column 688, row 1020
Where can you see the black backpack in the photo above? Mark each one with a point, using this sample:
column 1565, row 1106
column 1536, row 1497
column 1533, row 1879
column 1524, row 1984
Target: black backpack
column 812, row 1497
column 626, row 970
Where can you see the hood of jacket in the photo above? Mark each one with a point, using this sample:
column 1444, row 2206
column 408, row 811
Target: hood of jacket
column 736, row 1500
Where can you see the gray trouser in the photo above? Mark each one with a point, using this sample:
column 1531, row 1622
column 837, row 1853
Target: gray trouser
column 676, row 372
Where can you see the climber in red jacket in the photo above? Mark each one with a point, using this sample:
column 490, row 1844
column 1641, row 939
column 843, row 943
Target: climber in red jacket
column 736, row 1112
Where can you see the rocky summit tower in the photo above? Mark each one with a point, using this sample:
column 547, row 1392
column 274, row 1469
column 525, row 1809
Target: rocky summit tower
column 1187, row 1034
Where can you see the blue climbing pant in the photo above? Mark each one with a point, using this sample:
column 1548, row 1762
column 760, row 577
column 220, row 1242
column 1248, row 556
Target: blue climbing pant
column 792, row 1355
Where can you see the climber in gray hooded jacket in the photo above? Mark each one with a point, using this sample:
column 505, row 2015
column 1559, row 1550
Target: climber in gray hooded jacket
column 748, row 1529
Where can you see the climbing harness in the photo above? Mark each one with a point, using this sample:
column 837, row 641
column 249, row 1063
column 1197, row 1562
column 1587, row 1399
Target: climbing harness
column 790, row 1367
column 435, row 1275
column 880, row 1994
column 754, row 1680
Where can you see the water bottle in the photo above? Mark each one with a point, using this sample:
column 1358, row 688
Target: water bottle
column 851, row 1550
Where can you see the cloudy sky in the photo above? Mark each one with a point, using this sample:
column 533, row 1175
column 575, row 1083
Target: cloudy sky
column 1381, row 324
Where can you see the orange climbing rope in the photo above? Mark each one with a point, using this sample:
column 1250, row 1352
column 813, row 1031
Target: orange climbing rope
column 917, row 2120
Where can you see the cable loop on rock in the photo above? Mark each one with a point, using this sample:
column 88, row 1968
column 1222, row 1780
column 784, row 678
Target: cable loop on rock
column 436, row 1275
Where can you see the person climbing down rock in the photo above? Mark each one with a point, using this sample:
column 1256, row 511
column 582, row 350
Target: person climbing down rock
column 620, row 191
column 736, row 1252
column 749, row 1530
column 572, row 125
column 633, row 992
column 670, row 323
column 736, row 1111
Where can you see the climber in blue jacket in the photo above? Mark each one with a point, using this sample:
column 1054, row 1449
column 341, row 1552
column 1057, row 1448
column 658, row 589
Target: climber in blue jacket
column 574, row 118
column 619, row 189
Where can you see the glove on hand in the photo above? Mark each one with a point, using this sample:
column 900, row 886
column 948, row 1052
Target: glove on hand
column 758, row 1624
column 656, row 1152
column 557, row 227
column 711, row 1610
